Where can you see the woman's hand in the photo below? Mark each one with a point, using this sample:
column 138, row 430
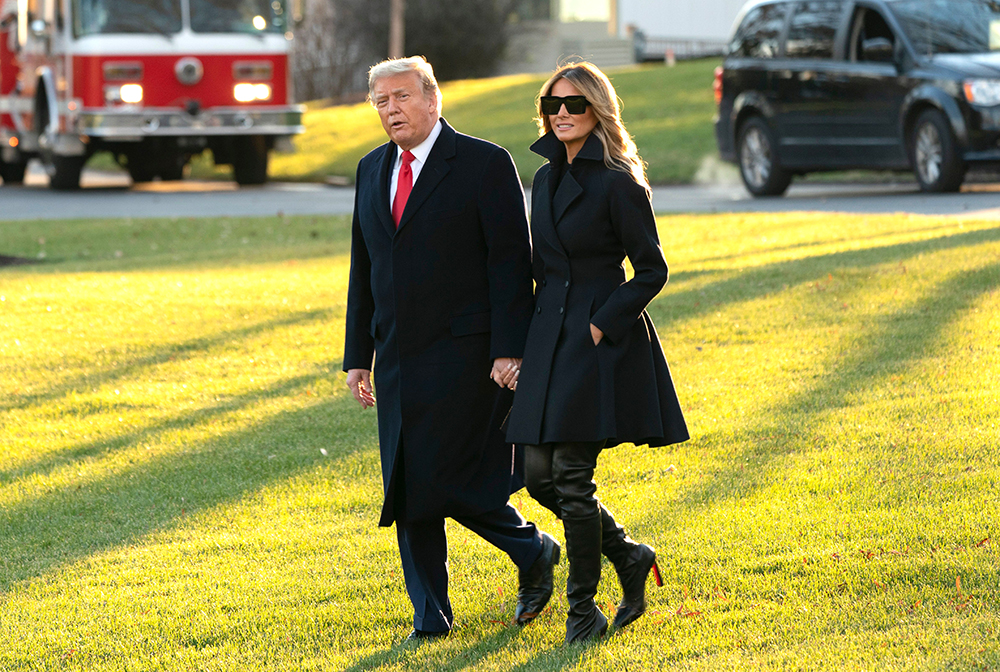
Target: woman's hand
column 596, row 334
column 506, row 371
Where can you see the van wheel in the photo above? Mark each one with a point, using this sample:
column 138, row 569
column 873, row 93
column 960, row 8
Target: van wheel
column 758, row 159
column 936, row 161
column 64, row 173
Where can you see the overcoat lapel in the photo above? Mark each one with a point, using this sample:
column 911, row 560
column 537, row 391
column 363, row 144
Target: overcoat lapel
column 566, row 193
column 542, row 220
column 381, row 204
column 543, row 216
column 432, row 173
column 569, row 190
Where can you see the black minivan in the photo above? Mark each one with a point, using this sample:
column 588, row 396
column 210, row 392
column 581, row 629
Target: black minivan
column 814, row 85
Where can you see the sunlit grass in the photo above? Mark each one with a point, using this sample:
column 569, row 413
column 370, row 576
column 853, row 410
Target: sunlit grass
column 185, row 482
column 668, row 110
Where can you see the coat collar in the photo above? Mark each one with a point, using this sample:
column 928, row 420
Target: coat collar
column 550, row 147
column 563, row 195
column 431, row 175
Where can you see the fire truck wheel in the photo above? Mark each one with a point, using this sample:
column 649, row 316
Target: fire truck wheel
column 66, row 171
column 13, row 173
column 250, row 160
column 172, row 166
column 139, row 169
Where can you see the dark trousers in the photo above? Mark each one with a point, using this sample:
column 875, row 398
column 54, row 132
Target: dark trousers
column 423, row 548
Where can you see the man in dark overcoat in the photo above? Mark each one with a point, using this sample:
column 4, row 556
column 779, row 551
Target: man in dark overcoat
column 440, row 296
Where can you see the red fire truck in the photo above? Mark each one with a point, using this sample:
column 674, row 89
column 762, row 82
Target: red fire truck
column 154, row 82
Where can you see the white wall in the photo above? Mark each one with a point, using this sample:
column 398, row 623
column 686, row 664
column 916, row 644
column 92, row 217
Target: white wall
column 683, row 19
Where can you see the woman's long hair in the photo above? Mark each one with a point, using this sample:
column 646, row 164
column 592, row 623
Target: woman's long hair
column 620, row 152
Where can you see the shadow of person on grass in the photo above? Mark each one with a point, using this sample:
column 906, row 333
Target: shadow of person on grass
column 453, row 654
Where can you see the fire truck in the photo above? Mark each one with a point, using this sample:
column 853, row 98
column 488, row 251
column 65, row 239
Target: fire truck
column 154, row 82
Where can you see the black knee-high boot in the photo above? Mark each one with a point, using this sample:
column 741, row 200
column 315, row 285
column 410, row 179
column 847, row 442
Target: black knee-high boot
column 583, row 549
column 632, row 562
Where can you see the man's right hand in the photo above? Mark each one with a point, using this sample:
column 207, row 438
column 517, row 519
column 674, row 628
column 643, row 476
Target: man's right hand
column 360, row 382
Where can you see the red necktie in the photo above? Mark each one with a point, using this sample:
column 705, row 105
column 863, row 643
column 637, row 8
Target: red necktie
column 403, row 187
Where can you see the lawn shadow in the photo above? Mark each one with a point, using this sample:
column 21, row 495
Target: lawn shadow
column 560, row 657
column 157, row 356
column 468, row 657
column 806, row 245
column 44, row 464
column 71, row 523
column 461, row 658
column 162, row 354
column 893, row 343
column 760, row 281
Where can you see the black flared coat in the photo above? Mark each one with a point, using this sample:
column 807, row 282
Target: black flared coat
column 435, row 301
column 583, row 226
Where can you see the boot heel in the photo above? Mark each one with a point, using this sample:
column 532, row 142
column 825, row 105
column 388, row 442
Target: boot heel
column 656, row 575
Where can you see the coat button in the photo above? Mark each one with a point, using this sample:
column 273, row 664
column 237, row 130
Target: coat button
column 544, row 282
column 539, row 310
column 567, row 283
column 562, row 310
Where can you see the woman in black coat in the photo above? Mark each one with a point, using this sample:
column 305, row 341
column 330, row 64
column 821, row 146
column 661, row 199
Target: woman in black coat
column 593, row 373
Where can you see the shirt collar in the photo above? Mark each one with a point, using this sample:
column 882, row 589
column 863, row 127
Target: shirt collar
column 423, row 150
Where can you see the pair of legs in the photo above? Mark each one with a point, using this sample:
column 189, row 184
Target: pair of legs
column 560, row 476
column 423, row 548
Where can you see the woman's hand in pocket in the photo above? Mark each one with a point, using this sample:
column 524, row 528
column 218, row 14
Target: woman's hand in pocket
column 596, row 334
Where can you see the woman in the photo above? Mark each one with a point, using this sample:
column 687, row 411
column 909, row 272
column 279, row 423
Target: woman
column 593, row 373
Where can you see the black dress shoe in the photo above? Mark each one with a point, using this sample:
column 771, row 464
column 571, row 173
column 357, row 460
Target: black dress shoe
column 421, row 636
column 535, row 587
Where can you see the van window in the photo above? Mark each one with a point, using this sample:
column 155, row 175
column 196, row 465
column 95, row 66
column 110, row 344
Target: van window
column 867, row 25
column 812, row 29
column 758, row 35
column 950, row 26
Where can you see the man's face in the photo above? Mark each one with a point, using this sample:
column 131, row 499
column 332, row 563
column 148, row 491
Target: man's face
column 407, row 115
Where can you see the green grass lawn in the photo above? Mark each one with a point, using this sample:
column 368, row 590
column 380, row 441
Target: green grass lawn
column 668, row 110
column 186, row 484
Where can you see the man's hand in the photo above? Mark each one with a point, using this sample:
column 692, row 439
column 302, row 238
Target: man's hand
column 360, row 382
column 505, row 372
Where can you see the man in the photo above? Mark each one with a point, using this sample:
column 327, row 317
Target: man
column 440, row 295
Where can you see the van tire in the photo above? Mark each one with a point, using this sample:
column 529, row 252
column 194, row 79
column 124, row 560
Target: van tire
column 934, row 155
column 757, row 157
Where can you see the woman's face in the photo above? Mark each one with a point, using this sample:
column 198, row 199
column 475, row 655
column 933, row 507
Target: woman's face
column 571, row 128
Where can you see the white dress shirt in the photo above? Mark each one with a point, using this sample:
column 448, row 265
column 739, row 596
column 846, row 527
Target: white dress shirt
column 420, row 154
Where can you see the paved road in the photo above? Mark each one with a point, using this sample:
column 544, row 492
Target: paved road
column 107, row 194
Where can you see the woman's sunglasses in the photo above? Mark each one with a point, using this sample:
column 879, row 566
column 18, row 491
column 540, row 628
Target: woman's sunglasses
column 574, row 104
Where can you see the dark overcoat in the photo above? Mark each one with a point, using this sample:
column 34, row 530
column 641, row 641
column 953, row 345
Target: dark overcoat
column 435, row 301
column 582, row 229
